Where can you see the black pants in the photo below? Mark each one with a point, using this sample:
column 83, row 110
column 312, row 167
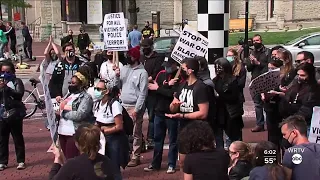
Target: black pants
column 15, row 127
column 274, row 131
column 27, row 47
column 13, row 46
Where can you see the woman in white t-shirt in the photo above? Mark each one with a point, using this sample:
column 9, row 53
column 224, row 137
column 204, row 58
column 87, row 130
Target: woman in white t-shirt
column 107, row 69
column 75, row 109
column 108, row 114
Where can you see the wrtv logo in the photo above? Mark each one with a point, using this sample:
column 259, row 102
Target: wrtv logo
column 297, row 155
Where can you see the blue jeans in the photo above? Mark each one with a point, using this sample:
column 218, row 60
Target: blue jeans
column 117, row 149
column 258, row 106
column 161, row 124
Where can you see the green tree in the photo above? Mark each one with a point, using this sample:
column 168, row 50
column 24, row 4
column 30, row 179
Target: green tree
column 15, row 3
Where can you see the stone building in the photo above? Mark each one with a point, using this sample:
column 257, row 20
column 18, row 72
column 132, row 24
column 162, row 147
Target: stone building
column 272, row 13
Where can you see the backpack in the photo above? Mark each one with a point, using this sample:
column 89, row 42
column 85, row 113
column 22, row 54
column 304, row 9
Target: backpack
column 127, row 120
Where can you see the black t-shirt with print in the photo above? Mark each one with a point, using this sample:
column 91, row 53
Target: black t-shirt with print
column 191, row 96
column 207, row 165
column 146, row 32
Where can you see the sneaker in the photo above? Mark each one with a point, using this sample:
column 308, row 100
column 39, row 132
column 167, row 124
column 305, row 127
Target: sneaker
column 150, row 168
column 171, row 170
column 3, row 167
column 21, row 166
column 134, row 163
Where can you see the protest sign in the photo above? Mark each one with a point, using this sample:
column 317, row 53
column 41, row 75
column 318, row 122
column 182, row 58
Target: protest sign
column 115, row 32
column 51, row 116
column 265, row 82
column 314, row 135
column 190, row 44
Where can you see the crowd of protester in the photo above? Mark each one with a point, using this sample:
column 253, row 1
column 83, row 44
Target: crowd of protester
column 204, row 117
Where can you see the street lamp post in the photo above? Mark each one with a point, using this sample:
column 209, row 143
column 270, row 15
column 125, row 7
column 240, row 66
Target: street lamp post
column 246, row 31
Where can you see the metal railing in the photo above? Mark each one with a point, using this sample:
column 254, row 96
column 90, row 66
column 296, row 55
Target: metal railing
column 33, row 27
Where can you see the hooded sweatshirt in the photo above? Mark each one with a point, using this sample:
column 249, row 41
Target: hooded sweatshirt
column 134, row 86
column 306, row 167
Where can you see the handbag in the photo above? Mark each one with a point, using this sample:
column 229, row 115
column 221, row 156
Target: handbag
column 7, row 114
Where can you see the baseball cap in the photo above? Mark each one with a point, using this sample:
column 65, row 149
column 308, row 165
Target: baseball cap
column 147, row 42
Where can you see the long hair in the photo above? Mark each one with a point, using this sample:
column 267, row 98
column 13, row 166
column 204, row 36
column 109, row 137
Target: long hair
column 274, row 169
column 237, row 62
column 310, row 70
column 87, row 137
column 244, row 150
column 286, row 56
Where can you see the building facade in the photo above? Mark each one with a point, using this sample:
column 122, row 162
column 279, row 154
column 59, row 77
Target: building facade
column 70, row 14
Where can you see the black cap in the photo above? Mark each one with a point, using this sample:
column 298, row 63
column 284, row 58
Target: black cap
column 147, row 42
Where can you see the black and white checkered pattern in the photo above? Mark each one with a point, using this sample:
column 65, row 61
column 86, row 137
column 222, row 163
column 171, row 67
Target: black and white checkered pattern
column 213, row 23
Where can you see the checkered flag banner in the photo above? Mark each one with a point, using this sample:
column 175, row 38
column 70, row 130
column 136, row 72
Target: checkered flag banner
column 214, row 18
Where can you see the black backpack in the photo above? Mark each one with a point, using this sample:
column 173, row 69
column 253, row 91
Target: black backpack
column 127, row 120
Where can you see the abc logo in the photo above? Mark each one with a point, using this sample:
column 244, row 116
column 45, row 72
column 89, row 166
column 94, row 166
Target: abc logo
column 297, row 159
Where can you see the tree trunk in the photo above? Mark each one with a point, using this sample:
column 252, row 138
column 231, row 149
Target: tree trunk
column 132, row 12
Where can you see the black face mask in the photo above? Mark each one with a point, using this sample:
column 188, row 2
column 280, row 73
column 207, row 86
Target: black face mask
column 146, row 26
column 74, row 89
column 218, row 69
column 70, row 54
column 285, row 142
column 257, row 45
column 184, row 74
column 302, row 81
column 110, row 57
column 147, row 51
column 129, row 61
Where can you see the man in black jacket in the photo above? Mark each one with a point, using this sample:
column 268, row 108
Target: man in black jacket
column 164, row 86
column 152, row 63
column 27, row 44
column 258, row 65
column 63, row 72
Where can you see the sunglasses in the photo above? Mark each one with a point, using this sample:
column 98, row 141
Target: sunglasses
column 99, row 89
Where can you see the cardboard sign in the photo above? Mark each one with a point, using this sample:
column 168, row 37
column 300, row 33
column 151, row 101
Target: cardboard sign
column 265, row 82
column 190, row 44
column 115, row 32
column 314, row 135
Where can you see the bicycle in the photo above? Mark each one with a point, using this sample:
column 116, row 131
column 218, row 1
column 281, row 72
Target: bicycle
column 36, row 101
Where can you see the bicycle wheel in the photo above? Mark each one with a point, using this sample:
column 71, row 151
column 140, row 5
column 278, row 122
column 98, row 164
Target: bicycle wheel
column 31, row 103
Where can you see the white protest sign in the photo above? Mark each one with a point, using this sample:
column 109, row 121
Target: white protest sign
column 314, row 135
column 115, row 32
column 190, row 44
column 51, row 116
column 265, row 82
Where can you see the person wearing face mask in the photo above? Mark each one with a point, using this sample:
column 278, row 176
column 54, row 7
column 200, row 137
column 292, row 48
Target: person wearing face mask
column 68, row 38
column 147, row 32
column 229, row 104
column 191, row 101
column 134, row 81
column 257, row 65
column 302, row 96
column 152, row 63
column 165, row 84
column 75, row 109
column 11, row 93
column 52, row 57
column 63, row 72
column 108, row 114
column 108, row 67
column 294, row 130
